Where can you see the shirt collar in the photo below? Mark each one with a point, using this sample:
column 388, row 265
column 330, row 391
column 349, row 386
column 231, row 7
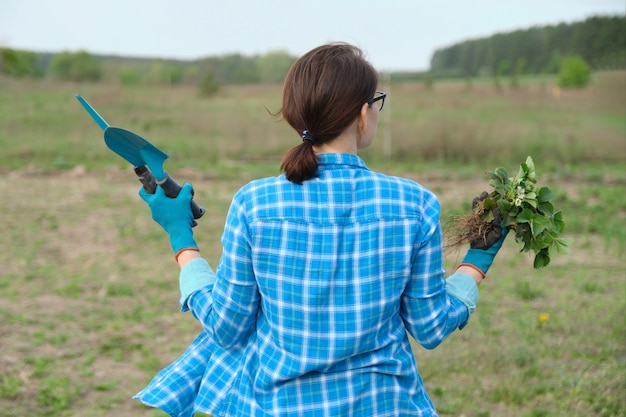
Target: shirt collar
column 333, row 160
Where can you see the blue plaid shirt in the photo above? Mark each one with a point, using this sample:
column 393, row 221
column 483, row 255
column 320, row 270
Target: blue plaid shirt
column 314, row 292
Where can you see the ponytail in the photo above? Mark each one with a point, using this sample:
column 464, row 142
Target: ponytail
column 300, row 163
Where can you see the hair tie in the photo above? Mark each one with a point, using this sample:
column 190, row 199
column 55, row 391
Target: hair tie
column 306, row 135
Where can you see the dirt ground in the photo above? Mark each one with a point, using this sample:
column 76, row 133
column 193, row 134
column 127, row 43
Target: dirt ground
column 75, row 242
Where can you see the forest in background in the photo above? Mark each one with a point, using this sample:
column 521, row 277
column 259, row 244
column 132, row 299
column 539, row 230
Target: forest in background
column 600, row 41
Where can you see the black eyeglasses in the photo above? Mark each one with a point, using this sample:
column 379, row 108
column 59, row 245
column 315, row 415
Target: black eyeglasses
column 379, row 98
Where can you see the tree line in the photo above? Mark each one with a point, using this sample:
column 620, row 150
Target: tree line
column 599, row 40
column 82, row 66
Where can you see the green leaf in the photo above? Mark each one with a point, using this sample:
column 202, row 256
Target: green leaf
column 504, row 205
column 546, row 208
column 489, row 204
column 544, row 195
column 531, row 202
column 500, row 189
column 559, row 224
column 526, row 216
column 523, row 246
column 539, row 224
column 501, row 175
column 562, row 245
column 542, row 259
column 541, row 244
column 523, row 236
column 530, row 165
column 523, row 171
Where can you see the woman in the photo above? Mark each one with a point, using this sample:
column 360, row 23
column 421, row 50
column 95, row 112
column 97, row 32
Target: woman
column 323, row 270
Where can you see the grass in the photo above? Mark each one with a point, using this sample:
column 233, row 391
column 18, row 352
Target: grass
column 446, row 123
column 88, row 286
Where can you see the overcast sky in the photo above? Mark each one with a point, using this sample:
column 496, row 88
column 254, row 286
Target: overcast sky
column 395, row 34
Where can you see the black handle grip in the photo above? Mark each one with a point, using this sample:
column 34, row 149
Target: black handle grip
column 146, row 178
column 169, row 185
column 172, row 188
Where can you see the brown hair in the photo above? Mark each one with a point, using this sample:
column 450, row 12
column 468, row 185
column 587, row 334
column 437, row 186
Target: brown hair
column 323, row 94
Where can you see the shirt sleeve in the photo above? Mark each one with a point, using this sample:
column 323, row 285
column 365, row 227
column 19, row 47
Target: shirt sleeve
column 464, row 288
column 429, row 311
column 195, row 275
column 228, row 308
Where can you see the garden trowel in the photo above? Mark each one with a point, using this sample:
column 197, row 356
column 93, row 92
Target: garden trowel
column 147, row 159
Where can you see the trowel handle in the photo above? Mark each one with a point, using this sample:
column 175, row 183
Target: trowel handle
column 146, row 178
column 172, row 188
column 169, row 185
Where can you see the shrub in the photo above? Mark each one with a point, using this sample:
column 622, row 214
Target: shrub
column 78, row 66
column 130, row 76
column 208, row 85
column 574, row 72
column 15, row 63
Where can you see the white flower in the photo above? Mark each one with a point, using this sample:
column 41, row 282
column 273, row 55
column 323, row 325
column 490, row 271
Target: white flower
column 518, row 201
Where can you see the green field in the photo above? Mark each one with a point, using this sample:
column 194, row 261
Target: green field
column 89, row 288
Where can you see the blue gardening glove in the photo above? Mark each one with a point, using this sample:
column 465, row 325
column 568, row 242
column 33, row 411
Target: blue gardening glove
column 482, row 252
column 174, row 216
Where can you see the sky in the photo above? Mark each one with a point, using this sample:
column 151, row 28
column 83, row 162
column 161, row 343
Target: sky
column 396, row 35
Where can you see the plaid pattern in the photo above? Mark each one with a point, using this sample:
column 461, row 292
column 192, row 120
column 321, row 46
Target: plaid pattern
column 315, row 288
